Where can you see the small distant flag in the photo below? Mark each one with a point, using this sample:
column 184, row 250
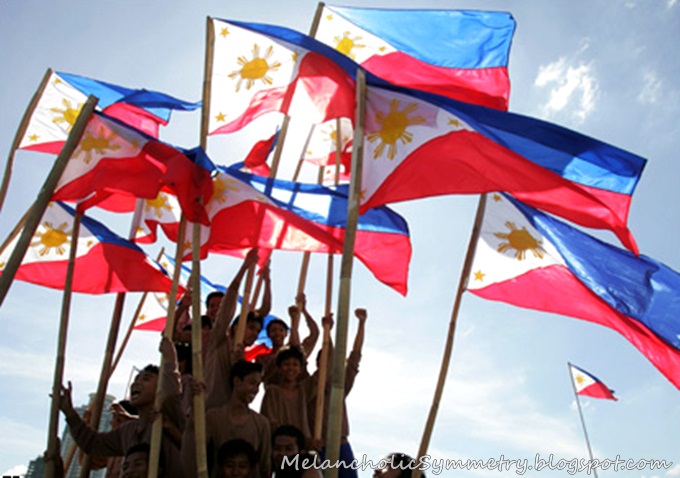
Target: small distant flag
column 589, row 385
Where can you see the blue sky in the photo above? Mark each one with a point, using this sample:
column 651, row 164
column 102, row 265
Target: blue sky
column 606, row 69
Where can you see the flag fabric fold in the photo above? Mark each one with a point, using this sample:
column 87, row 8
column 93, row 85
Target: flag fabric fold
column 418, row 144
column 529, row 259
column 460, row 54
column 113, row 164
column 105, row 262
column 249, row 211
column 154, row 310
column 255, row 72
column 588, row 385
column 64, row 95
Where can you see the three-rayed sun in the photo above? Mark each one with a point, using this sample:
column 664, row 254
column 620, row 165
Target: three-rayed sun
column 68, row 115
column 53, row 238
column 158, row 205
column 520, row 241
column 393, row 128
column 255, row 69
column 346, row 44
column 99, row 144
column 222, row 185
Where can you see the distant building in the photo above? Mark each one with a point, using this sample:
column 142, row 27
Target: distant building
column 36, row 468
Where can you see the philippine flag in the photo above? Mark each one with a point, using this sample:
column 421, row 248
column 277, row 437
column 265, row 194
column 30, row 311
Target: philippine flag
column 105, row 262
column 254, row 73
column 63, row 95
column 589, row 385
column 529, row 259
column 460, row 54
column 418, row 145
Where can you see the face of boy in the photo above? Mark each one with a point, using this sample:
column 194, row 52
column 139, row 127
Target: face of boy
column 135, row 465
column 236, row 467
column 277, row 333
column 290, row 368
column 143, row 389
column 247, row 388
column 283, row 446
column 213, row 307
column 253, row 328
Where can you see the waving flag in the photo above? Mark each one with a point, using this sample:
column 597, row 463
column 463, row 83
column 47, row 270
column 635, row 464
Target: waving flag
column 589, row 385
column 64, row 95
column 460, row 54
column 529, row 259
column 254, row 73
column 104, row 263
column 322, row 143
column 416, row 148
column 154, row 310
column 418, row 145
column 114, row 164
column 249, row 211
column 165, row 212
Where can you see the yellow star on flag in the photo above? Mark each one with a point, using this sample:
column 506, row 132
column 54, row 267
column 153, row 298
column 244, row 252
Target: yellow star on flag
column 479, row 275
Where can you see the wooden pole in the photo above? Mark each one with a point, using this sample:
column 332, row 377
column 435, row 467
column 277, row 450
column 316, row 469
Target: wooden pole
column 53, row 430
column 583, row 422
column 135, row 316
column 279, row 147
column 40, row 204
column 448, row 349
column 21, row 131
column 17, row 229
column 157, row 427
column 197, row 355
column 338, row 378
column 98, row 400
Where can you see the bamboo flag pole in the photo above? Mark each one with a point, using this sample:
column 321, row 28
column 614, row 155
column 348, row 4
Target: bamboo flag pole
column 448, row 349
column 53, row 430
column 40, row 204
column 135, row 316
column 580, row 413
column 157, row 427
column 98, row 401
column 197, row 354
column 326, row 338
column 15, row 232
column 342, row 321
column 21, row 131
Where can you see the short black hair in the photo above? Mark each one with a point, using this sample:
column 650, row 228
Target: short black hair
column 138, row 448
column 290, row 431
column 404, row 463
column 236, row 447
column 151, row 368
column 277, row 321
column 216, row 293
column 242, row 368
column 289, row 352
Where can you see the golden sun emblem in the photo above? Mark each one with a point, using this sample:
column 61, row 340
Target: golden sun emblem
column 255, row 69
column 346, row 44
column 222, row 185
column 158, row 205
column 53, row 238
column 99, row 144
column 393, row 128
column 68, row 115
column 521, row 241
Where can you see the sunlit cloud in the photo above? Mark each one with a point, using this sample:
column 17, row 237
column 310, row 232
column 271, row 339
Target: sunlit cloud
column 671, row 3
column 572, row 89
column 651, row 90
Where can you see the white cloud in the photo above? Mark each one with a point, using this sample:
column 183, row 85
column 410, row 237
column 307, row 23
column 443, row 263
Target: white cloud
column 675, row 471
column 651, row 90
column 572, row 88
column 671, row 3
column 19, row 470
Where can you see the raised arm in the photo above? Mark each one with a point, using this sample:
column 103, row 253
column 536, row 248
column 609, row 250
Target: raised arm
column 359, row 338
column 229, row 301
column 310, row 341
column 294, row 314
column 266, row 305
